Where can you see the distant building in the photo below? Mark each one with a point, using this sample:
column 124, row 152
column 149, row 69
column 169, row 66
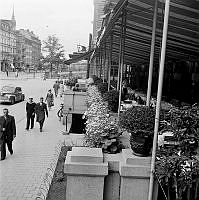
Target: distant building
column 18, row 48
column 7, row 43
column 29, row 48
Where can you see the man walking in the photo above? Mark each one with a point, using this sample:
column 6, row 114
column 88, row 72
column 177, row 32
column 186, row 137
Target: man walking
column 30, row 111
column 7, row 132
column 56, row 88
column 41, row 111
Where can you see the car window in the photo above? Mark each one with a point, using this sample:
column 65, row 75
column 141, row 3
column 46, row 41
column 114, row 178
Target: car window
column 8, row 89
column 18, row 89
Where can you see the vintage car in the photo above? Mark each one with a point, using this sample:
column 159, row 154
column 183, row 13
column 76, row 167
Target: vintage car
column 12, row 94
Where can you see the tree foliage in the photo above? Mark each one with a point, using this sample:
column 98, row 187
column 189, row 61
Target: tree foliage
column 54, row 50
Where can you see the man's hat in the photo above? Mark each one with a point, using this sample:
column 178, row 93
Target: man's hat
column 30, row 97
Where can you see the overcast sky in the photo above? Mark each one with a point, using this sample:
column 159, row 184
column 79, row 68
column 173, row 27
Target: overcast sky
column 69, row 20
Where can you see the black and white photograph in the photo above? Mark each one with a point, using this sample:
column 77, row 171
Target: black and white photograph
column 99, row 100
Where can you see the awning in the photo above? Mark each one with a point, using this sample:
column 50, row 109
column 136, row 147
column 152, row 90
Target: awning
column 78, row 57
column 183, row 30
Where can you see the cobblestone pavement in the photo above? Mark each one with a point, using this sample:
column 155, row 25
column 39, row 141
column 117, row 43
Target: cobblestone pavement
column 21, row 174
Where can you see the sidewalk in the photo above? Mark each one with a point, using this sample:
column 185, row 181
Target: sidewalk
column 22, row 174
column 21, row 76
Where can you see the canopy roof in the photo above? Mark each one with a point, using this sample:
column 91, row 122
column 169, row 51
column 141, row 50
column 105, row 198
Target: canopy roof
column 183, row 30
column 75, row 57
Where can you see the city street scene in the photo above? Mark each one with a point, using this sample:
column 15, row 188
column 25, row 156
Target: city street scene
column 99, row 100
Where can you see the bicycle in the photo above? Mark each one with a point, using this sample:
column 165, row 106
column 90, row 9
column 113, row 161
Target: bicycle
column 60, row 111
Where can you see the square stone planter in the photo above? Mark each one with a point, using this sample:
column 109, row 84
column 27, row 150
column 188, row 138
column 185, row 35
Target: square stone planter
column 85, row 171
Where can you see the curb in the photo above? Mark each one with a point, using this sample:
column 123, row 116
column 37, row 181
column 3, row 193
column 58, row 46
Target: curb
column 47, row 178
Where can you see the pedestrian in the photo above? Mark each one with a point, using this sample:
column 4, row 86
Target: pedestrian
column 7, row 132
column 41, row 111
column 6, row 72
column 50, row 99
column 56, row 88
column 61, row 89
column 30, row 113
column 16, row 73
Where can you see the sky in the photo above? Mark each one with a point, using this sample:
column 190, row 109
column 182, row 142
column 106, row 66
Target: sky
column 69, row 20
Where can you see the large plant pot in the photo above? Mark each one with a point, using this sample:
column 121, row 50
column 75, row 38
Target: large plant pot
column 141, row 145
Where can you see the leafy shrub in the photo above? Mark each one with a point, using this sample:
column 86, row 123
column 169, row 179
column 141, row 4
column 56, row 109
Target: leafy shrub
column 177, row 167
column 96, row 80
column 112, row 97
column 101, row 131
column 102, row 87
column 71, row 82
column 138, row 118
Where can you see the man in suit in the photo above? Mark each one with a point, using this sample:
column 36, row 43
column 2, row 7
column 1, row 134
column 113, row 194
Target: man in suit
column 7, row 132
column 30, row 110
column 41, row 111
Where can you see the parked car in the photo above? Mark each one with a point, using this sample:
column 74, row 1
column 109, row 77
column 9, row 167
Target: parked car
column 11, row 94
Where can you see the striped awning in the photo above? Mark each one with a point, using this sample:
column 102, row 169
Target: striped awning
column 183, row 30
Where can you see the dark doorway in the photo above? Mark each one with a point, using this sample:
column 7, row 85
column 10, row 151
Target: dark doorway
column 78, row 124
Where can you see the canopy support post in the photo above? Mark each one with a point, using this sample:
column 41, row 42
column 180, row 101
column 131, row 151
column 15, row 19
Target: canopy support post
column 110, row 61
column 159, row 96
column 120, row 70
column 150, row 77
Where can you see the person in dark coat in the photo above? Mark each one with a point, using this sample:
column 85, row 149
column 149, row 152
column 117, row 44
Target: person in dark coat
column 41, row 111
column 50, row 99
column 7, row 132
column 56, row 88
column 30, row 113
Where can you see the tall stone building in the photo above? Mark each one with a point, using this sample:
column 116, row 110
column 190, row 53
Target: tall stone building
column 29, row 49
column 18, row 48
column 7, row 43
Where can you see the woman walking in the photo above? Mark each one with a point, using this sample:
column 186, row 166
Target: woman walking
column 50, row 99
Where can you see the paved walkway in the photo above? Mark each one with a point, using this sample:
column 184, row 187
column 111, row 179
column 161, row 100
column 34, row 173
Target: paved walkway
column 22, row 174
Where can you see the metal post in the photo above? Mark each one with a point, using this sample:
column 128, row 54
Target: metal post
column 120, row 89
column 120, row 52
column 104, row 63
column 152, row 53
column 122, row 62
column 159, row 96
column 110, row 62
column 100, row 61
column 88, row 61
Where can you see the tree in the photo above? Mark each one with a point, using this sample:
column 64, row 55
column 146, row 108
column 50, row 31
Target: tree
column 54, row 52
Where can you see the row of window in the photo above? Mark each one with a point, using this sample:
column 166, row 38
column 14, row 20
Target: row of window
column 8, row 42
column 7, row 34
column 8, row 49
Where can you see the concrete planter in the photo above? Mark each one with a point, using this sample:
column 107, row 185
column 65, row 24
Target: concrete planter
column 85, row 171
column 92, row 175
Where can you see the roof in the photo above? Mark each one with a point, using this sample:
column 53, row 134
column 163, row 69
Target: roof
column 183, row 30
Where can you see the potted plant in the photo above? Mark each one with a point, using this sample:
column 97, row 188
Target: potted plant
column 112, row 97
column 139, row 122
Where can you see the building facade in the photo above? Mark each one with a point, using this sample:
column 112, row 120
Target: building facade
column 29, row 47
column 19, row 49
column 8, row 43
